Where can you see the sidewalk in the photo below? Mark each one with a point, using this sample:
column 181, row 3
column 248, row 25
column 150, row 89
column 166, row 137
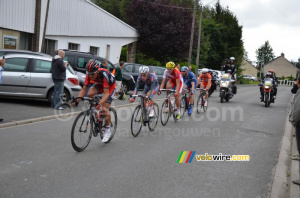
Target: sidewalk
column 286, row 169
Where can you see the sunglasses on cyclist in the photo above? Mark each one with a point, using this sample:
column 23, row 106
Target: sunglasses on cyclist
column 91, row 74
column 143, row 75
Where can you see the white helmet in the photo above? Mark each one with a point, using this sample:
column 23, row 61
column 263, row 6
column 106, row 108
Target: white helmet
column 144, row 69
column 204, row 70
column 232, row 58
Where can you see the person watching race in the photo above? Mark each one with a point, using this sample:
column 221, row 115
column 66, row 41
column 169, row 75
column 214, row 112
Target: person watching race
column 102, row 83
column 205, row 79
column 151, row 86
column 175, row 82
column 190, row 83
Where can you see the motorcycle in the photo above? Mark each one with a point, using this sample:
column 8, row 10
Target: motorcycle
column 226, row 91
column 268, row 87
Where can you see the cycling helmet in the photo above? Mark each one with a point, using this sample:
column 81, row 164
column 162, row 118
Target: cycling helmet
column 232, row 58
column 184, row 68
column 92, row 66
column 204, row 70
column 170, row 65
column 209, row 71
column 271, row 71
column 144, row 69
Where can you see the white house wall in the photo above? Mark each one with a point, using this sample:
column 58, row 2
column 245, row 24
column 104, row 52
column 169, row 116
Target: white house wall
column 83, row 18
column 17, row 15
column 86, row 42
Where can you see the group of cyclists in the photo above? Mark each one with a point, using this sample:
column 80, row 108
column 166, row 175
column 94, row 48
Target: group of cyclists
column 100, row 81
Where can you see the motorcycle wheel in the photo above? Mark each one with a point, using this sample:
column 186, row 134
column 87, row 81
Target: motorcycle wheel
column 222, row 95
column 266, row 100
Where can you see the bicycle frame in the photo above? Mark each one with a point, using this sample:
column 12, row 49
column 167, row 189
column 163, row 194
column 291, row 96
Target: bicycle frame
column 142, row 103
column 170, row 91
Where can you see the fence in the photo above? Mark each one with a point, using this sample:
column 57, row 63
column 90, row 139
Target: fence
column 286, row 82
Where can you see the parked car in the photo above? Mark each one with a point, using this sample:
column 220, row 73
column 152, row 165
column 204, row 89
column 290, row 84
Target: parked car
column 29, row 76
column 249, row 77
column 78, row 61
column 133, row 69
column 12, row 51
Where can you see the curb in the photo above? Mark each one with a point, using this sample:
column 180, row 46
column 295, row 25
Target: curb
column 45, row 118
column 281, row 180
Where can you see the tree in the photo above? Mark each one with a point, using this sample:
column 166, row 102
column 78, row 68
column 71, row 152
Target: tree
column 164, row 30
column 265, row 51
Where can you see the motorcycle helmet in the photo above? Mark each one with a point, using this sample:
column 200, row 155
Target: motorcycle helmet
column 271, row 71
column 269, row 75
column 232, row 58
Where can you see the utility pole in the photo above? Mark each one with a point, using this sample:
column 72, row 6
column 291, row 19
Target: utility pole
column 199, row 37
column 192, row 33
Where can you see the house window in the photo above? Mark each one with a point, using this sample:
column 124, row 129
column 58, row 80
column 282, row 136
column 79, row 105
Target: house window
column 50, row 47
column 94, row 50
column 73, row 46
column 107, row 52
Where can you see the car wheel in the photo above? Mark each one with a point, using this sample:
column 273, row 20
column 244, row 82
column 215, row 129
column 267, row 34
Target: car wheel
column 65, row 96
column 124, row 87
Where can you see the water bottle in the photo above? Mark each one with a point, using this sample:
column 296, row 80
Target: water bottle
column 172, row 104
column 95, row 114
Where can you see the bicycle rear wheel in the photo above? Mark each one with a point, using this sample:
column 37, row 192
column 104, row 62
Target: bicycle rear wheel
column 204, row 107
column 182, row 106
column 81, row 133
column 199, row 103
column 165, row 113
column 136, row 121
column 153, row 120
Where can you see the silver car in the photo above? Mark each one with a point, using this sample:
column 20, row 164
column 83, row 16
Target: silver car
column 29, row 76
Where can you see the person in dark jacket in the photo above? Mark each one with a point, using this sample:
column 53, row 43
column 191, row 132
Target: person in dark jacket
column 295, row 87
column 294, row 118
column 58, row 68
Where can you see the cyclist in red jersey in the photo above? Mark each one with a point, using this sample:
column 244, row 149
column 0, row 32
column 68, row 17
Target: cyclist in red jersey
column 175, row 81
column 102, row 83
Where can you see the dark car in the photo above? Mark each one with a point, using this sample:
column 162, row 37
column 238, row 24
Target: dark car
column 78, row 61
column 133, row 69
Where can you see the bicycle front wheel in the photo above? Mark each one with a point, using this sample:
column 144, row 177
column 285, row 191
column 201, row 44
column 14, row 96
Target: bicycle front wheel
column 183, row 106
column 165, row 113
column 153, row 120
column 136, row 121
column 81, row 133
column 199, row 103
column 113, row 123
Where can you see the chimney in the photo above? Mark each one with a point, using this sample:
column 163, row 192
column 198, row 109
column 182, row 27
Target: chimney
column 282, row 54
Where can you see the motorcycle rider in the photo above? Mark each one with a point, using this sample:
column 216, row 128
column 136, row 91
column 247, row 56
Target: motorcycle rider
column 190, row 82
column 151, row 86
column 275, row 81
column 205, row 77
column 213, row 81
column 230, row 68
column 268, row 75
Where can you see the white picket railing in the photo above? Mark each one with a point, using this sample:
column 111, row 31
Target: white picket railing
column 286, row 82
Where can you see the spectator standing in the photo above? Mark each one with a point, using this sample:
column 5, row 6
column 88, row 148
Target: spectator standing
column 58, row 68
column 104, row 64
column 119, row 78
column 2, row 62
column 295, row 87
column 295, row 120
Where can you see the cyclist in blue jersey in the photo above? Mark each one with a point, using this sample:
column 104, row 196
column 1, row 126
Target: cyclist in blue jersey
column 151, row 86
column 190, row 82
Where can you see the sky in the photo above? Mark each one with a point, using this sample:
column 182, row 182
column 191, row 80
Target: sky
column 277, row 21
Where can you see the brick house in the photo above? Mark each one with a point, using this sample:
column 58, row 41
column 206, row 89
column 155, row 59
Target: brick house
column 248, row 68
column 282, row 67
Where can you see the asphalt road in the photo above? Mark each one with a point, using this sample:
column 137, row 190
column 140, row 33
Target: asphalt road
column 37, row 160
